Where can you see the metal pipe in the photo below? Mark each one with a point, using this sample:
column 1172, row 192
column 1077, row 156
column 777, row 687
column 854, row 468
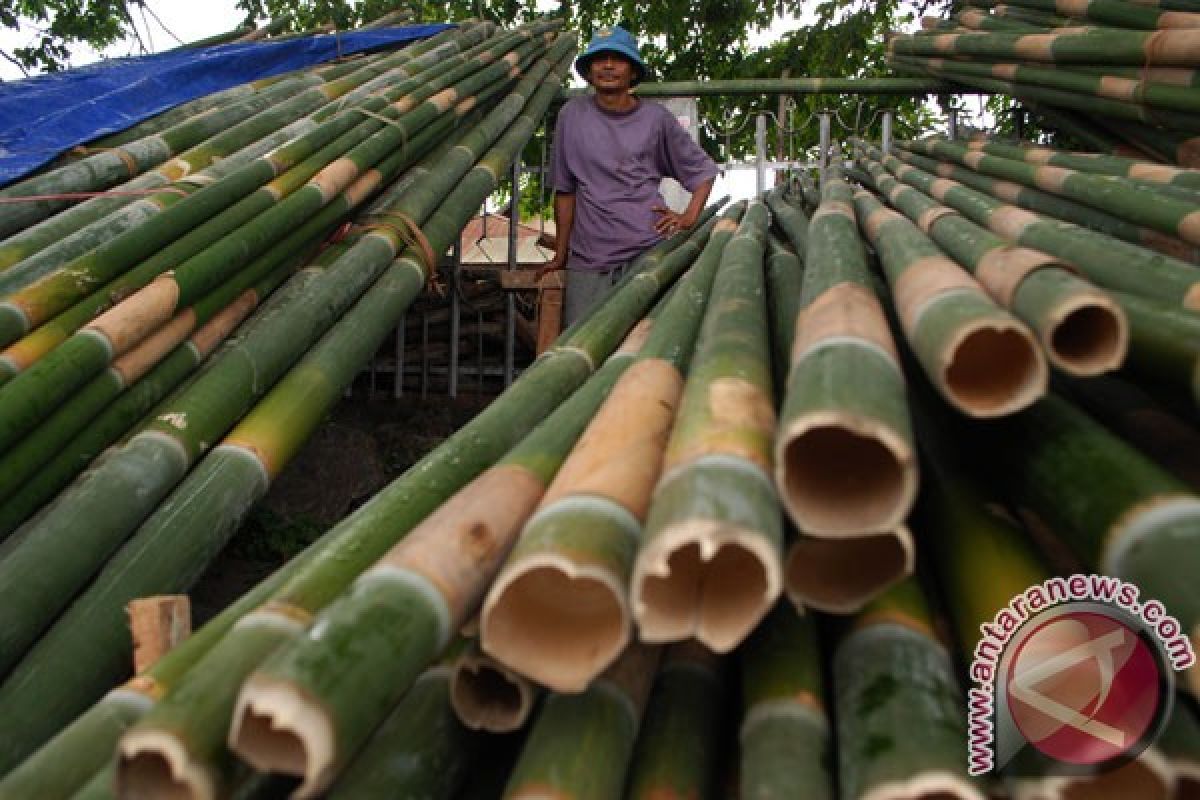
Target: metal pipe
column 760, row 154
column 510, row 308
column 887, row 132
column 823, row 154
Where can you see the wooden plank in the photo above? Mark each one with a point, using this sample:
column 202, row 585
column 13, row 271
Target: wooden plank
column 526, row 279
column 158, row 624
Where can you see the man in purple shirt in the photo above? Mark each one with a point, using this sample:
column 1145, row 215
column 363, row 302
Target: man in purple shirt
column 611, row 150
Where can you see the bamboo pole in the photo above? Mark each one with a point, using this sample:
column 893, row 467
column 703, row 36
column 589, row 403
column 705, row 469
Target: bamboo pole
column 968, row 538
column 607, row 715
column 785, row 738
column 367, row 534
column 1082, row 330
column 1141, row 527
column 1089, row 135
column 983, row 360
column 1164, row 344
column 1137, row 202
column 488, row 696
column 900, row 718
column 677, row 751
column 558, row 611
column 842, row 339
column 1060, row 208
column 1169, row 48
column 421, row 750
column 1114, row 13
column 1108, row 262
column 791, row 86
column 709, row 562
column 1098, row 163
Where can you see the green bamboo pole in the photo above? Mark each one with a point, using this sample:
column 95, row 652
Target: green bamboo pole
column 1100, row 164
column 335, row 189
column 791, row 86
column 983, row 360
column 842, row 342
column 1026, row 91
column 709, row 564
column 1060, row 208
column 370, row 531
column 558, row 612
column 1120, row 512
column 982, row 21
column 1038, row 19
column 1114, row 13
column 607, row 716
column 1173, row 147
column 240, row 295
column 1138, row 202
column 421, row 750
column 901, row 723
column 488, row 696
column 56, row 760
column 1108, row 262
column 968, row 538
column 784, row 273
column 1089, row 135
column 163, row 451
column 207, row 509
column 1164, row 344
column 1081, row 329
column 1180, row 743
column 269, row 182
column 785, row 739
column 1093, row 46
column 677, row 747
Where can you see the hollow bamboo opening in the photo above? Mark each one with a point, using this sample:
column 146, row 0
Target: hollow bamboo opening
column 488, row 697
column 840, row 576
column 556, row 623
column 991, row 370
column 277, row 727
column 153, row 765
column 699, row 581
column 841, row 478
column 1089, row 338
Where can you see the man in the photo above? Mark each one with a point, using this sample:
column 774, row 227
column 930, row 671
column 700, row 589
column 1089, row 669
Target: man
column 611, row 150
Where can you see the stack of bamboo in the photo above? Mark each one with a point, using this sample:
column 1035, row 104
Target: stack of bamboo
column 1119, row 76
column 140, row 323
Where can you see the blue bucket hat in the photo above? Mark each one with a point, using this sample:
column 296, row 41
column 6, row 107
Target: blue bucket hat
column 614, row 39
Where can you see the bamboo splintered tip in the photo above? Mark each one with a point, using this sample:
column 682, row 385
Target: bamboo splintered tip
column 153, row 764
column 840, row 576
column 556, row 622
column 843, row 475
column 706, row 580
column 1149, row 777
column 277, row 728
column 993, row 368
column 488, row 697
column 1089, row 336
column 927, row 786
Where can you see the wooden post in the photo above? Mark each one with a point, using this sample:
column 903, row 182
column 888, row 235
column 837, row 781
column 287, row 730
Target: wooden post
column 157, row 625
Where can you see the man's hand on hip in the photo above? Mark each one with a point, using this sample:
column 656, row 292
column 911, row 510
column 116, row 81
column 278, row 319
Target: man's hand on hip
column 670, row 222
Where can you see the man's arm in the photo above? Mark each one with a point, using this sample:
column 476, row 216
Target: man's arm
column 670, row 221
column 564, row 221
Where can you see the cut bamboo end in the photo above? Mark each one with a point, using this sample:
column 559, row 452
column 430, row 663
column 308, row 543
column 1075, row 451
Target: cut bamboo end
column 927, row 786
column 278, row 728
column 1149, row 777
column 993, row 368
column 840, row 474
column 1088, row 336
column 155, row 764
column 556, row 622
column 840, row 576
column 488, row 697
column 706, row 580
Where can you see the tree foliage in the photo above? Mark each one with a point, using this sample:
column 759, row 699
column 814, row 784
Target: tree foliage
column 55, row 26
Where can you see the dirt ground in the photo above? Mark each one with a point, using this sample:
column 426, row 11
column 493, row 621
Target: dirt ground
column 364, row 444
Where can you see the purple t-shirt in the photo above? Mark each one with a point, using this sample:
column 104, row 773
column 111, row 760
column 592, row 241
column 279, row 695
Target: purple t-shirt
column 613, row 163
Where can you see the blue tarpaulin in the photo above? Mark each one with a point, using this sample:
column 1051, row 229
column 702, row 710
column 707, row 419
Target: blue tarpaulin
column 42, row 117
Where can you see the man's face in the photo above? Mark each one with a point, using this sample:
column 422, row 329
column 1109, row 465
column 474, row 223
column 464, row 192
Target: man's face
column 610, row 72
